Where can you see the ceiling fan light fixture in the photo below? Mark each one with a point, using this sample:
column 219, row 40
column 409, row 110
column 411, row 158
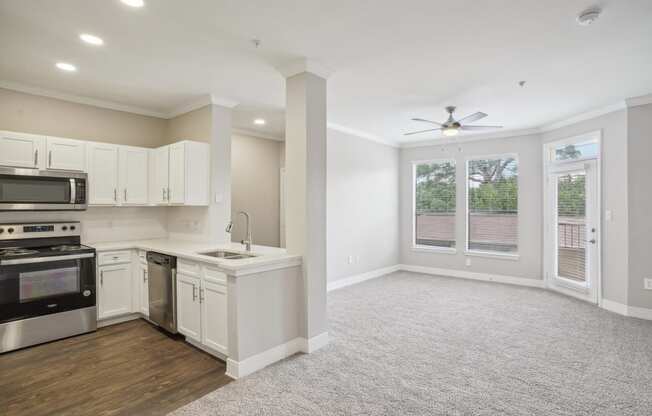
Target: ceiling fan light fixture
column 450, row 131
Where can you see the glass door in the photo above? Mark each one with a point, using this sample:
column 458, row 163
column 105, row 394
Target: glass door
column 572, row 230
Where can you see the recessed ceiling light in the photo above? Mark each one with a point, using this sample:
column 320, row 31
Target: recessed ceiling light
column 91, row 39
column 259, row 121
column 64, row 66
column 134, row 3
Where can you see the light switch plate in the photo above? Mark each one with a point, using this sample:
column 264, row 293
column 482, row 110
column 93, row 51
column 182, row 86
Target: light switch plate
column 647, row 283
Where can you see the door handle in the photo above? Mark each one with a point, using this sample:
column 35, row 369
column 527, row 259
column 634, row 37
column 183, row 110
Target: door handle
column 592, row 241
column 50, row 159
column 125, row 194
column 35, row 157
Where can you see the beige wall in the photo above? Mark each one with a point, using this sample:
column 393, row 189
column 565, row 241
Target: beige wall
column 255, row 173
column 194, row 125
column 50, row 116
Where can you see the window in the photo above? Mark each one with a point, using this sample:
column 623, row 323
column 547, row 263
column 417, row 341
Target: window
column 577, row 151
column 434, row 222
column 492, row 185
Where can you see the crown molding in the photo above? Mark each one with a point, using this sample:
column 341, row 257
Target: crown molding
column 254, row 133
column 361, row 134
column 305, row 65
column 620, row 105
column 203, row 101
column 640, row 100
column 110, row 105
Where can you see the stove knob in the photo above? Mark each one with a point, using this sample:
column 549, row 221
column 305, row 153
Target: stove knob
column 10, row 230
column 72, row 228
column 2, row 230
column 64, row 228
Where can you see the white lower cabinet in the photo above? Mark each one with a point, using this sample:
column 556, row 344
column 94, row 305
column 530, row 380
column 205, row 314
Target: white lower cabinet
column 202, row 308
column 114, row 291
column 214, row 330
column 188, row 306
column 142, row 283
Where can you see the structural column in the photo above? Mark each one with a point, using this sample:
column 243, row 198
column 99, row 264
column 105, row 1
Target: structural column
column 305, row 164
column 220, row 175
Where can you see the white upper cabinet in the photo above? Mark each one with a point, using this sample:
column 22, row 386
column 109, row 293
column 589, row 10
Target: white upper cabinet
column 133, row 176
column 65, row 154
column 21, row 150
column 102, row 174
column 158, row 175
column 179, row 174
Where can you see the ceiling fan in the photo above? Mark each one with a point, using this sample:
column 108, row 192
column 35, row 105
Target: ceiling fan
column 452, row 127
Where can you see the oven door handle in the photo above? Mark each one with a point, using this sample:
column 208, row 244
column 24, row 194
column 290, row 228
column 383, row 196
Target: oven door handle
column 33, row 260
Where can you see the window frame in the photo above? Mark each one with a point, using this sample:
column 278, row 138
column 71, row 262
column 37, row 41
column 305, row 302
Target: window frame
column 589, row 137
column 421, row 247
column 467, row 226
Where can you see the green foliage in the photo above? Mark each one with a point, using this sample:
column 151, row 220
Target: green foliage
column 568, row 152
column 571, row 196
column 493, row 185
column 435, row 187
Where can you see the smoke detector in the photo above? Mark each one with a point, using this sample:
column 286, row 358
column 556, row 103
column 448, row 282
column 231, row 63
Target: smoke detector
column 589, row 16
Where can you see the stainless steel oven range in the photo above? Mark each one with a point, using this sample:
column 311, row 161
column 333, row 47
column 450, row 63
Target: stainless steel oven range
column 47, row 284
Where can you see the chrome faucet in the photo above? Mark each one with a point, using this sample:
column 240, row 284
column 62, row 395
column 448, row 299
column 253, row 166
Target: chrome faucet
column 248, row 241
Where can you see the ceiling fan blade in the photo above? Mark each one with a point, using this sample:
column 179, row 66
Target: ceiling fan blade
column 470, row 128
column 427, row 121
column 420, row 131
column 473, row 117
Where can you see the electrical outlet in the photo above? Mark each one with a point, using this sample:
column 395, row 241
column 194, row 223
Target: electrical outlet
column 647, row 283
column 350, row 259
column 468, row 261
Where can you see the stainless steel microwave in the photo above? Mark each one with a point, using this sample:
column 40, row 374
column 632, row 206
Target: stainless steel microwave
column 40, row 190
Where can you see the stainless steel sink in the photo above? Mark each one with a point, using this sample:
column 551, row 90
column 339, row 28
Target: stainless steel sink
column 227, row 255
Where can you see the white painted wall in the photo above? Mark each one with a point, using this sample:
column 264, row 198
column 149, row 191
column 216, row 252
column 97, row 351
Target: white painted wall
column 362, row 214
column 529, row 152
column 639, row 192
column 614, row 197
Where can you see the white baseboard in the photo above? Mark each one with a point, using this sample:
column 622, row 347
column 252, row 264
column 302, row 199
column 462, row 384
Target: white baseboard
column 118, row 320
column 625, row 310
column 239, row 369
column 315, row 343
column 521, row 281
column 352, row 280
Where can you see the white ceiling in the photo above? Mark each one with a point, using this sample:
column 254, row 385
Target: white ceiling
column 392, row 60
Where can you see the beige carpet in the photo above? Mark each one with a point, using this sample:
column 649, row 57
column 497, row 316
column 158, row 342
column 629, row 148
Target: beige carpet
column 409, row 344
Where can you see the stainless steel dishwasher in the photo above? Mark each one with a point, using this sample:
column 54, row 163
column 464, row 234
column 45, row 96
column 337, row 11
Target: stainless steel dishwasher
column 162, row 273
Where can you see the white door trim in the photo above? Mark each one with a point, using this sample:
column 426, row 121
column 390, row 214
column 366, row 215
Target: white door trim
column 551, row 167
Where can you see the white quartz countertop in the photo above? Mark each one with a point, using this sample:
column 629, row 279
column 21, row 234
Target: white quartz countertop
column 266, row 258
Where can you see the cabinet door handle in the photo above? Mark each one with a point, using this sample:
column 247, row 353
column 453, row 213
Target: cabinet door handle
column 35, row 157
column 50, row 159
column 194, row 293
column 102, row 278
column 163, row 194
column 168, row 194
column 201, row 295
column 125, row 194
column 115, row 194
column 144, row 275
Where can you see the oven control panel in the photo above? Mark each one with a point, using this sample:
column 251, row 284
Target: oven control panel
column 39, row 230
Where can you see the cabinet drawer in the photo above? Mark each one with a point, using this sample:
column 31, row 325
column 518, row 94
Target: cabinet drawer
column 188, row 267
column 114, row 257
column 212, row 274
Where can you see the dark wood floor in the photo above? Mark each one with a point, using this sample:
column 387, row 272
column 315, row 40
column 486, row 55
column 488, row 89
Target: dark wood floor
column 126, row 369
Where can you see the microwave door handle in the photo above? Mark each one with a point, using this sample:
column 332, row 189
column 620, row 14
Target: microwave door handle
column 73, row 191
